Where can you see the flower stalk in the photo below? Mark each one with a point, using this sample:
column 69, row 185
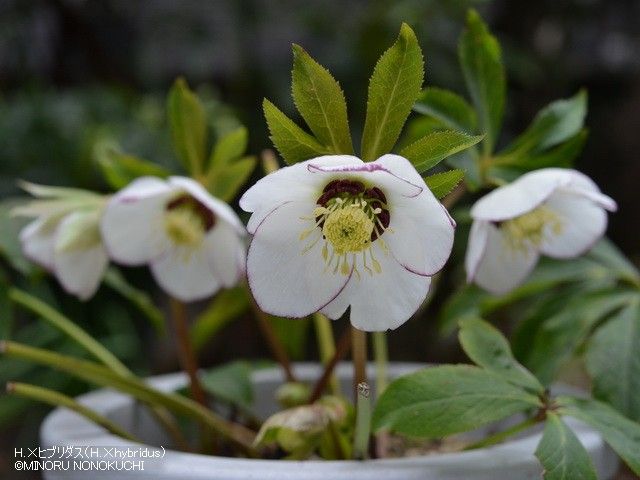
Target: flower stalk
column 94, row 373
column 186, row 353
column 326, row 346
column 359, row 355
column 381, row 356
column 56, row 399
column 363, row 422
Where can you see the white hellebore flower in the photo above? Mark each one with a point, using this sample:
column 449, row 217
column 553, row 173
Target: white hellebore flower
column 192, row 241
column 334, row 232
column 65, row 236
column 556, row 212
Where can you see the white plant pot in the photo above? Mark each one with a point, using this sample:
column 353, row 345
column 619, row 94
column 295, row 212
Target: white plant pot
column 513, row 460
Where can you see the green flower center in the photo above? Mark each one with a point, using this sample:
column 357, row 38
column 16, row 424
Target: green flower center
column 348, row 229
column 349, row 219
column 531, row 228
column 187, row 220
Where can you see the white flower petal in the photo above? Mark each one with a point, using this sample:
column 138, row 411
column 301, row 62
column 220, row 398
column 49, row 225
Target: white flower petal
column 218, row 207
column 294, row 183
column 284, row 280
column 80, row 271
column 226, row 252
column 501, row 268
column 421, row 231
column 476, row 247
column 185, row 273
column 583, row 223
column 388, row 172
column 132, row 224
column 382, row 301
column 38, row 239
column 522, row 195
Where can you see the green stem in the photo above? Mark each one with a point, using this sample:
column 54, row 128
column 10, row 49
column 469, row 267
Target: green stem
column 326, row 346
column 359, row 355
column 50, row 397
column 381, row 356
column 500, row 436
column 363, row 423
column 65, row 325
column 97, row 350
column 99, row 375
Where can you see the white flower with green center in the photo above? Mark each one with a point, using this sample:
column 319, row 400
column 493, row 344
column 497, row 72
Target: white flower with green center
column 556, row 212
column 65, row 237
column 193, row 242
column 334, row 232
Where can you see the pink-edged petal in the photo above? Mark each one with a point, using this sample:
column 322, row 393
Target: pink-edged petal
column 286, row 277
column 132, row 224
column 38, row 239
column 289, row 184
column 388, row 173
column 80, row 271
column 476, row 247
column 218, row 207
column 382, row 301
column 582, row 224
column 185, row 273
column 502, row 268
column 522, row 195
column 421, row 231
column 226, row 252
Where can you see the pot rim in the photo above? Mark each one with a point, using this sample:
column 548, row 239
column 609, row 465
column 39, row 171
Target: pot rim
column 65, row 427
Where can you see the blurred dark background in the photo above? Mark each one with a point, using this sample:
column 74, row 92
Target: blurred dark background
column 75, row 71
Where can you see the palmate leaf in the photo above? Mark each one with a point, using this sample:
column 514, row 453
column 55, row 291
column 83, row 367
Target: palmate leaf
column 622, row 434
column 554, row 124
column 293, row 143
column 431, row 149
column 448, row 108
column 119, row 169
column 441, row 184
column 393, row 89
column 481, row 61
column 228, row 147
column 321, row 102
column 561, row 453
column 613, row 361
column 488, row 348
column 439, row 401
column 188, row 122
column 226, row 182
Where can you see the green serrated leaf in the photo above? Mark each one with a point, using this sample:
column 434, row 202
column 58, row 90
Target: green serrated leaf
column 431, row 149
column 393, row 89
column 441, row 184
column 560, row 335
column 481, row 61
column 228, row 180
column 464, row 303
column 554, row 124
column 561, row 453
column 448, row 108
column 622, row 434
column 230, row 146
column 488, row 348
column 613, row 361
column 188, row 123
column 320, row 101
column 293, row 143
column 119, row 169
column 223, row 309
column 439, row 401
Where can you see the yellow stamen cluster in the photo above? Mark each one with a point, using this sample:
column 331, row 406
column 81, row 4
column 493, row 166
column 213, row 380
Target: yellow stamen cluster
column 346, row 225
column 531, row 228
column 184, row 226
